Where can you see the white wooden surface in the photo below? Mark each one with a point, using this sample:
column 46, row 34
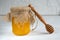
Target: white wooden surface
column 39, row 34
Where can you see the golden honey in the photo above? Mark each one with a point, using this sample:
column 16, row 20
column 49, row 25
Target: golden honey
column 19, row 28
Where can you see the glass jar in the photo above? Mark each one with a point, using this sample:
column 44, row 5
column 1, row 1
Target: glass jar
column 21, row 20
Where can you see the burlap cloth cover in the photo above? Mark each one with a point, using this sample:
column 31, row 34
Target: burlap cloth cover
column 23, row 12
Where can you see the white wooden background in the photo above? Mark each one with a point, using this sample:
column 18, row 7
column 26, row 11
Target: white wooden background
column 44, row 7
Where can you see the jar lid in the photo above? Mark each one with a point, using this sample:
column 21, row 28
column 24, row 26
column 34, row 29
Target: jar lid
column 19, row 9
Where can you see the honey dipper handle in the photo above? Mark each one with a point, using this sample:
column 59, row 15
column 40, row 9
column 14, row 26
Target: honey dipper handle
column 38, row 15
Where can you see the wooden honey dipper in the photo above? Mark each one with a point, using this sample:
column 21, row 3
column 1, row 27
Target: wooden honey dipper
column 49, row 28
